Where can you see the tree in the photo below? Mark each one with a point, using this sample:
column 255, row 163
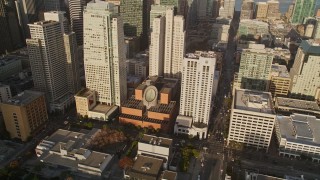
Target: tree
column 125, row 162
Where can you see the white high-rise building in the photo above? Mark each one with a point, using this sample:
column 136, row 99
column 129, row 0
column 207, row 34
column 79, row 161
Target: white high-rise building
column 48, row 62
column 104, row 53
column 227, row 8
column 76, row 18
column 305, row 71
column 174, row 45
column 156, row 50
column 197, row 84
column 58, row 16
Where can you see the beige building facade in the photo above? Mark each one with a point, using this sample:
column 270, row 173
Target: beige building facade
column 25, row 114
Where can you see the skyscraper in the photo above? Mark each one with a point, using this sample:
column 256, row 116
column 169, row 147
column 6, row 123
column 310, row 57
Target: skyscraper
column 247, row 8
column 51, row 5
column 132, row 13
column 196, row 94
column 104, row 53
column 261, row 10
column 27, row 13
column 48, row 60
column 156, row 50
column 6, row 44
column 174, row 45
column 227, row 8
column 76, row 18
column 58, row 16
column 305, row 71
column 302, row 9
column 273, row 9
column 255, row 69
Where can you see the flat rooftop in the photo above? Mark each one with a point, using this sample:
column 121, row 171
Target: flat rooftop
column 255, row 101
column 169, row 175
column 102, row 108
column 300, row 128
column 146, row 168
column 159, row 141
column 197, row 54
column 24, row 98
column 85, row 92
column 8, row 59
column 95, row 159
column 298, row 104
column 279, row 71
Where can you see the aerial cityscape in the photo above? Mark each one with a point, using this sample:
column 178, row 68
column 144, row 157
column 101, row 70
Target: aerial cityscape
column 160, row 89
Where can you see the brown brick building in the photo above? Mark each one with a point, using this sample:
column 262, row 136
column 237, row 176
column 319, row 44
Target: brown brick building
column 152, row 106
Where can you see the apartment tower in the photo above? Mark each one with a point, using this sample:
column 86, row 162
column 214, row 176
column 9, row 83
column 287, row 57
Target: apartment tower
column 104, row 53
column 305, row 71
column 261, row 10
column 247, row 9
column 196, row 94
column 302, row 9
column 226, row 8
column 156, row 50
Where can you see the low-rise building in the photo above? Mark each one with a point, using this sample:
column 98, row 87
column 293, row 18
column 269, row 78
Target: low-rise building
column 69, row 149
column 9, row 65
column 280, row 80
column 25, row 114
column 298, row 135
column 152, row 105
column 288, row 106
column 252, row 118
column 87, row 105
column 5, row 93
column 150, row 168
column 156, row 147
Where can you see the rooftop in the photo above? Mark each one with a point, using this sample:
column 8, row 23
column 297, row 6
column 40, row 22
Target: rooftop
column 8, row 59
column 24, row 98
column 146, row 168
column 169, row 175
column 311, row 47
column 300, row 128
column 102, row 108
column 298, row 104
column 95, row 159
column 197, row 54
column 253, row 101
column 159, row 141
column 85, row 92
column 279, row 71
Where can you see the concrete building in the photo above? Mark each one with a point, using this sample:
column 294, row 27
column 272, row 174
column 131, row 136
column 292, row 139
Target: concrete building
column 105, row 63
column 58, row 16
column 6, row 44
column 197, row 87
column 174, row 45
column 220, row 32
column 252, row 118
column 298, row 135
column 288, row 106
column 302, row 9
column 226, row 9
column 5, row 93
column 72, row 63
column 76, row 18
column 132, row 15
column 156, row 50
column 273, row 9
column 289, row 12
column 69, row 150
column 9, row 65
column 152, row 105
column 25, row 114
column 316, row 29
column 158, row 10
column 138, row 66
column 255, row 69
column 261, row 10
column 146, row 167
column 51, row 5
column 280, row 81
column 305, row 71
column 247, row 9
column 48, row 63
column 158, row 147
column 252, row 29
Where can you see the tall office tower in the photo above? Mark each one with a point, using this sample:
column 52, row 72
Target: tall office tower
column 26, row 11
column 273, row 9
column 174, row 45
column 132, row 14
column 6, row 44
column 247, row 9
column 58, row 16
column 104, row 53
column 48, row 60
column 227, row 8
column 76, row 18
column 305, row 71
column 72, row 66
column 302, row 9
column 255, row 69
column 156, row 50
column 158, row 10
column 261, row 10
column 51, row 5
column 215, row 8
column 196, row 94
column 202, row 9
column 252, row 119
